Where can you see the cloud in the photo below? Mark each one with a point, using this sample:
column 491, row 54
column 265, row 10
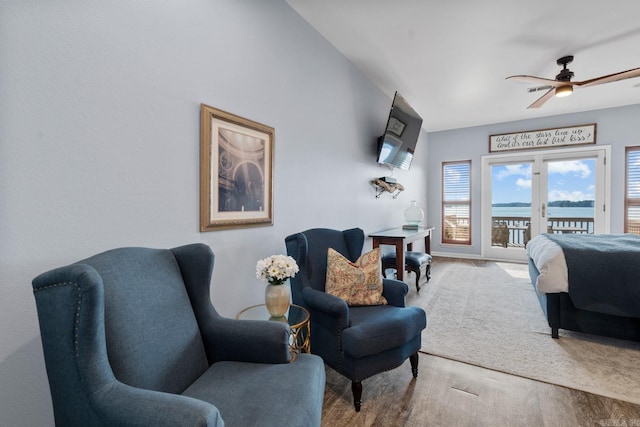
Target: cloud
column 523, row 183
column 514, row 170
column 576, row 167
column 573, row 196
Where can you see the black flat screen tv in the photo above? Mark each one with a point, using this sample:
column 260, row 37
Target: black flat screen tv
column 398, row 144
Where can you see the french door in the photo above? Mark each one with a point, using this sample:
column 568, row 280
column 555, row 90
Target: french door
column 526, row 194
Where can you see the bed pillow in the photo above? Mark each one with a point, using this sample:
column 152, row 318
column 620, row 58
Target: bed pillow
column 358, row 283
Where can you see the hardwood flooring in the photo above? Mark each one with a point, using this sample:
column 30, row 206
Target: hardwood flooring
column 450, row 393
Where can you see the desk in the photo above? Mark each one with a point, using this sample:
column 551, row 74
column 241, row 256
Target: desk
column 298, row 319
column 398, row 237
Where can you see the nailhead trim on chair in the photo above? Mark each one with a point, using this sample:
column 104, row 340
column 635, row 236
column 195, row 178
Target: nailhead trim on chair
column 78, row 307
column 339, row 342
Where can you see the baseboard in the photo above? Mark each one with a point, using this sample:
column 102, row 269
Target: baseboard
column 455, row 255
column 472, row 256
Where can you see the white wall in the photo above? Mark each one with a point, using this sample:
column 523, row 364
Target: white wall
column 617, row 127
column 99, row 146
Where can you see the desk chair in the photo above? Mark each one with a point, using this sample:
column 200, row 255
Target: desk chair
column 500, row 234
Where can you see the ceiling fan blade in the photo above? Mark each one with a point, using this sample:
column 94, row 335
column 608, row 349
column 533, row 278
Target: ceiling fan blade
column 610, row 78
column 544, row 98
column 538, row 88
column 539, row 80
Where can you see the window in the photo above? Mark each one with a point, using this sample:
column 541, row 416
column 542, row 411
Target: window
column 632, row 192
column 456, row 202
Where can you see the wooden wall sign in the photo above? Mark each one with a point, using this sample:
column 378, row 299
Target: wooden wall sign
column 543, row 138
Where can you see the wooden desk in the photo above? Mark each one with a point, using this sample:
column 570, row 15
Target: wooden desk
column 399, row 238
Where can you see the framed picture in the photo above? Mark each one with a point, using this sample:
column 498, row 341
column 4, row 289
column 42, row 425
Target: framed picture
column 236, row 163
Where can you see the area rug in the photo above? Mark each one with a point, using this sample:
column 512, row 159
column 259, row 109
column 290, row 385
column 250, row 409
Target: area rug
column 487, row 314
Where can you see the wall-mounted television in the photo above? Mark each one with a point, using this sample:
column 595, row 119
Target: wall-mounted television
column 397, row 145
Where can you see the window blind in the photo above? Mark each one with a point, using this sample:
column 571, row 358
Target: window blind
column 632, row 192
column 456, row 202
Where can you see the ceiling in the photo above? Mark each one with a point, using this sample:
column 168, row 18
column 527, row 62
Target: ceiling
column 449, row 58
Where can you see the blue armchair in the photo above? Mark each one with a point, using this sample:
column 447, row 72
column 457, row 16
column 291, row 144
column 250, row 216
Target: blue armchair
column 130, row 338
column 358, row 342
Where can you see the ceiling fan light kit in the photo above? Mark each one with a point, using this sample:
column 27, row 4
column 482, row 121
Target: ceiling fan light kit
column 562, row 91
column 563, row 86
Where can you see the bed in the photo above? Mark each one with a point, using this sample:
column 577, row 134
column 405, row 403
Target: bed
column 588, row 283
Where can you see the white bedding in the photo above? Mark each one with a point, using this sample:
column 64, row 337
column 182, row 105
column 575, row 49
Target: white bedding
column 549, row 260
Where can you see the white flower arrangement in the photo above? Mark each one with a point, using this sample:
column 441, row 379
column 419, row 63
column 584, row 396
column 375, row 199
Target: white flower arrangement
column 276, row 269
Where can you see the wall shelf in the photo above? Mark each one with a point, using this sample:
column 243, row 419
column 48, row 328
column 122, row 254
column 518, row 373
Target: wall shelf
column 382, row 186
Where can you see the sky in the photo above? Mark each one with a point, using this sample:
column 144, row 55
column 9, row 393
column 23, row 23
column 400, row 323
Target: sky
column 572, row 180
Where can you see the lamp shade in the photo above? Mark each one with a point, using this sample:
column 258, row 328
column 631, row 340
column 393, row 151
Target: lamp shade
column 565, row 90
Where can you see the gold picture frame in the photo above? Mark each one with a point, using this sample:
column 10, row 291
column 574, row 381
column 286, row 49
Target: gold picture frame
column 236, row 171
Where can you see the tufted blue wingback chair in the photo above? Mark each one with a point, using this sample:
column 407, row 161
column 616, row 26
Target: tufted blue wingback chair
column 358, row 342
column 130, row 338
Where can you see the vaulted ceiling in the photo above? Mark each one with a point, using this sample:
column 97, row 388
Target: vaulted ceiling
column 449, row 59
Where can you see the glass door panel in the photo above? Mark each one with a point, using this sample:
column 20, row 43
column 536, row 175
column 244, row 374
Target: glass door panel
column 524, row 195
column 570, row 196
column 510, row 205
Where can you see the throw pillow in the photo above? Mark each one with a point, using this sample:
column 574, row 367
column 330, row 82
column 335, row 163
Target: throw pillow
column 358, row 283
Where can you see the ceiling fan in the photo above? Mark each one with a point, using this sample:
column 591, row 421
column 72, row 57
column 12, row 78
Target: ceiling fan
column 563, row 86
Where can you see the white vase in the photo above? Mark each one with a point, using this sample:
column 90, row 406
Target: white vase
column 277, row 299
column 413, row 215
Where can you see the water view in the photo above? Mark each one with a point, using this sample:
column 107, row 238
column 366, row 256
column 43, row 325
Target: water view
column 511, row 223
column 525, row 211
column 569, row 188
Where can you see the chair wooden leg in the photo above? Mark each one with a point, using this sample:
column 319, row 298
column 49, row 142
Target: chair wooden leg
column 356, row 389
column 414, row 364
column 418, row 279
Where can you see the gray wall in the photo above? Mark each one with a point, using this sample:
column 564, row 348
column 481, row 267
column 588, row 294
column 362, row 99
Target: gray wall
column 617, row 127
column 99, row 146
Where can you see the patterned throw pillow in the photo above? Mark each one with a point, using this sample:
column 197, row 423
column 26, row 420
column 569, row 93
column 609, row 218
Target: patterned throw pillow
column 358, row 283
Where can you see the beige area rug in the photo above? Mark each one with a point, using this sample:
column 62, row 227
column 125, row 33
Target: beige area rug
column 487, row 314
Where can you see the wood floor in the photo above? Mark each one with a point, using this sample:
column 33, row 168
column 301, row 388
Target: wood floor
column 450, row 393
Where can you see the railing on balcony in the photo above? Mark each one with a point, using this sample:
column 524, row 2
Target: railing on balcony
column 509, row 231
column 456, row 228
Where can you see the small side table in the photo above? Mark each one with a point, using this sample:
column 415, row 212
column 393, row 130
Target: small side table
column 298, row 319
